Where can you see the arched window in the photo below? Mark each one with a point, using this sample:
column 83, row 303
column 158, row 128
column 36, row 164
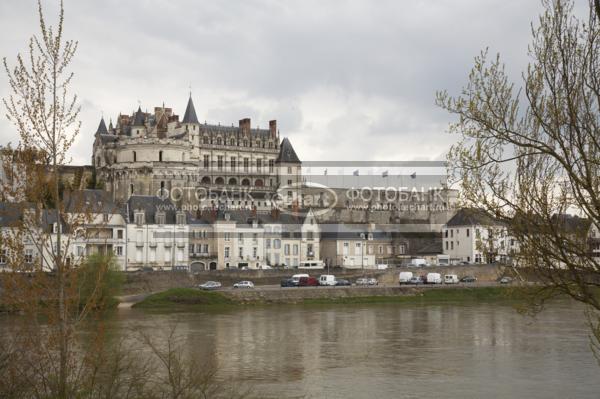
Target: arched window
column 258, row 183
column 245, row 143
column 205, row 180
column 232, row 181
column 205, row 140
column 219, row 180
column 219, row 141
column 160, row 156
column 232, row 142
column 134, row 157
column 245, row 182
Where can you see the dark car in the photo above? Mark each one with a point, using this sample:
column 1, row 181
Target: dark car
column 288, row 282
column 342, row 282
column 415, row 281
column 468, row 279
column 308, row 282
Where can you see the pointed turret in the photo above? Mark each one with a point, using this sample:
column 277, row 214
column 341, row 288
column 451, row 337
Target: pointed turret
column 102, row 127
column 110, row 127
column 190, row 113
column 287, row 153
column 139, row 118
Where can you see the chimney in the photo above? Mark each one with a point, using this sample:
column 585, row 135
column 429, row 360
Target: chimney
column 245, row 126
column 273, row 128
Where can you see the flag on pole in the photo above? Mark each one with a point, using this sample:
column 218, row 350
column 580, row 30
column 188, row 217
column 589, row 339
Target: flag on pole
column 355, row 173
column 384, row 174
column 325, row 172
column 413, row 176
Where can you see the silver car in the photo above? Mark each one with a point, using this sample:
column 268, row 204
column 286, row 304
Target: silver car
column 244, row 284
column 210, row 285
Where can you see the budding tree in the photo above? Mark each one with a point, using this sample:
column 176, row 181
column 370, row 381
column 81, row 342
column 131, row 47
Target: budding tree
column 529, row 152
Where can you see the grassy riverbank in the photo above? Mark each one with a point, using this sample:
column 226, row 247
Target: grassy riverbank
column 183, row 297
column 190, row 299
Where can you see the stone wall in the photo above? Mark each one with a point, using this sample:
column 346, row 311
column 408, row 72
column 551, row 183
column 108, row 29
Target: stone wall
column 145, row 282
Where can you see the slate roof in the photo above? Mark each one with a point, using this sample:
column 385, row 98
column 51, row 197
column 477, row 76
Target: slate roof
column 434, row 247
column 190, row 113
column 151, row 204
column 94, row 201
column 139, row 118
column 471, row 217
column 102, row 127
column 287, row 153
column 10, row 214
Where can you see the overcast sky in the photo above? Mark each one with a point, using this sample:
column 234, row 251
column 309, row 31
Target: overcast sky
column 346, row 80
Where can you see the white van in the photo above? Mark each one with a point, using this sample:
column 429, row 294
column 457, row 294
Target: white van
column 405, row 277
column 434, row 278
column 450, row 279
column 327, row 279
column 296, row 277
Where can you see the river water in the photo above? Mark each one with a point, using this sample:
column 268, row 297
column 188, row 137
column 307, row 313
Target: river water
column 390, row 351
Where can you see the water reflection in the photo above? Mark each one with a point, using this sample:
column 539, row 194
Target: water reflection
column 389, row 351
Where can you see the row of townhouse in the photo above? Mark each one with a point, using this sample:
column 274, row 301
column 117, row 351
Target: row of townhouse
column 150, row 232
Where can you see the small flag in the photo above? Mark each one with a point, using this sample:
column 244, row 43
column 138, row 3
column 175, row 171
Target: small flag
column 325, row 172
column 355, row 173
column 413, row 176
column 384, row 174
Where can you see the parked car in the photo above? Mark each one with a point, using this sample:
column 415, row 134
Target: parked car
column 434, row 278
column 244, row 284
column 405, row 277
column 308, row 282
column 296, row 277
column 327, row 279
column 289, row 282
column 342, row 282
column 415, row 280
column 210, row 285
column 468, row 279
column 372, row 281
column 450, row 279
column 505, row 280
column 362, row 281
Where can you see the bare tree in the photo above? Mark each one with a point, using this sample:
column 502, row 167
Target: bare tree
column 530, row 154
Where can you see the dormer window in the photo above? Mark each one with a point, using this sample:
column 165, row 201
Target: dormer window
column 160, row 218
column 139, row 218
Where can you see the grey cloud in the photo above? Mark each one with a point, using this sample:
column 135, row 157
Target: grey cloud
column 343, row 78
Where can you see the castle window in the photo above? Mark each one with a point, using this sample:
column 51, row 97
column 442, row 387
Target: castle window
column 160, row 156
column 134, row 157
column 232, row 142
column 131, row 189
column 271, row 166
column 205, row 140
column 258, row 165
column 246, row 164
column 245, row 143
column 206, row 161
column 233, row 164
